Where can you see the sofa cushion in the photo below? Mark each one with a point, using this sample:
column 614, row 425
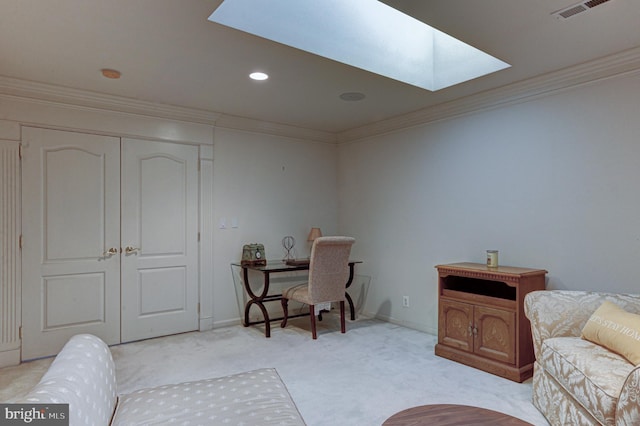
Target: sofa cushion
column 254, row 397
column 589, row 372
column 83, row 376
column 615, row 329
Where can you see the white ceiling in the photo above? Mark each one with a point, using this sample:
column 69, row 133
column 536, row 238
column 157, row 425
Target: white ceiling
column 169, row 53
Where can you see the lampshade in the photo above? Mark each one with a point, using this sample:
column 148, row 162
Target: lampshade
column 314, row 233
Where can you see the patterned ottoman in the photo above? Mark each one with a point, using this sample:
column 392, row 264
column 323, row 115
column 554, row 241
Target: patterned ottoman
column 83, row 376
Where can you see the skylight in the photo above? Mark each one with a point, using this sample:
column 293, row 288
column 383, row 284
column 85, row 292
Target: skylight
column 366, row 34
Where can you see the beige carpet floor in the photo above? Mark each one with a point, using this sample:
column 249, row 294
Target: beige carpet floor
column 359, row 378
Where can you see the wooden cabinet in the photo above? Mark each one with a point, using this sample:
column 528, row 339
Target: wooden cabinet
column 481, row 320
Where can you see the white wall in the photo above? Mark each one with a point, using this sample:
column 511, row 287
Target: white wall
column 275, row 186
column 551, row 183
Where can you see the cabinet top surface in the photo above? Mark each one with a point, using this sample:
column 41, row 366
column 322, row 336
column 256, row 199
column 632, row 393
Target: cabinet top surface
column 481, row 267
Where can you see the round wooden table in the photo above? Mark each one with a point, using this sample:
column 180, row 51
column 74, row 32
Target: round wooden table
column 452, row 415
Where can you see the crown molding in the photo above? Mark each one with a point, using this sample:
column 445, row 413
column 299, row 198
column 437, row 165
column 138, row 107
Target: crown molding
column 91, row 100
column 257, row 126
column 617, row 65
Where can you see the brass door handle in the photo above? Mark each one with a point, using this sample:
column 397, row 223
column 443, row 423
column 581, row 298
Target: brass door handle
column 110, row 252
column 129, row 249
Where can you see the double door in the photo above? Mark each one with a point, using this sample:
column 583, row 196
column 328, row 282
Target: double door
column 110, row 239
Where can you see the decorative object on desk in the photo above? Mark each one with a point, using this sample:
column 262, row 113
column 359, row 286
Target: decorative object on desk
column 253, row 254
column 492, row 258
column 288, row 243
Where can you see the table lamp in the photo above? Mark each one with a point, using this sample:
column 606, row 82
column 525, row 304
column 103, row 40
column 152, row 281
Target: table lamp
column 313, row 234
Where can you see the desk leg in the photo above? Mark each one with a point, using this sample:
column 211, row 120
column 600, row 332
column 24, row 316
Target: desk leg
column 352, row 309
column 257, row 300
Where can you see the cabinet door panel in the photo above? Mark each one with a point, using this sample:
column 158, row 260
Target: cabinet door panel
column 496, row 334
column 455, row 322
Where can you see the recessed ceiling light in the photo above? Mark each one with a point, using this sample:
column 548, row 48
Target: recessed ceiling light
column 352, row 96
column 114, row 74
column 258, row 76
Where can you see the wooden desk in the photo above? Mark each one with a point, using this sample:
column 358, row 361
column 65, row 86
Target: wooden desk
column 275, row 267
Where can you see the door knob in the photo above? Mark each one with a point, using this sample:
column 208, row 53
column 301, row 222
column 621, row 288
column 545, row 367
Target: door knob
column 110, row 252
column 129, row 249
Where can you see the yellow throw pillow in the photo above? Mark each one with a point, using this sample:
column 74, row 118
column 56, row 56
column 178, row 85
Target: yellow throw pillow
column 615, row 329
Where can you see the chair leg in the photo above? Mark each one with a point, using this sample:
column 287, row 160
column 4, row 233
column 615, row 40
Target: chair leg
column 312, row 315
column 343, row 327
column 285, row 309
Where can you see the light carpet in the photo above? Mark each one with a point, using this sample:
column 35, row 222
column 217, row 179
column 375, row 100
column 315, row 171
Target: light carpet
column 359, row 378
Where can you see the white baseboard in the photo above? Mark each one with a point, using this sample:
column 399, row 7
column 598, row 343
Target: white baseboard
column 409, row 324
column 206, row 324
column 227, row 323
column 9, row 358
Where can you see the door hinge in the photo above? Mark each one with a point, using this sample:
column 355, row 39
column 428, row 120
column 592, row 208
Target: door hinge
column 198, row 308
column 20, row 151
column 20, row 332
column 198, row 237
column 20, row 241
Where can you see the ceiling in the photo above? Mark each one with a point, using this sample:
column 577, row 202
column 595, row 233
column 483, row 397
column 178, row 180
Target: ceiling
column 169, row 53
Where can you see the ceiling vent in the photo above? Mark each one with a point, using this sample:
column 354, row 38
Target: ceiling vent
column 577, row 8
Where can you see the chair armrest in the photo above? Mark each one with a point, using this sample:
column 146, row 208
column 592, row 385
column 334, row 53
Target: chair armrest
column 628, row 408
column 562, row 313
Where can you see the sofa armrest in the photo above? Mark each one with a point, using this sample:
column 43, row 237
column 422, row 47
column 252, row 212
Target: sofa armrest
column 628, row 408
column 562, row 313
column 83, row 376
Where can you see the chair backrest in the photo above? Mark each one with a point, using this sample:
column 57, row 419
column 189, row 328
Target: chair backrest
column 329, row 268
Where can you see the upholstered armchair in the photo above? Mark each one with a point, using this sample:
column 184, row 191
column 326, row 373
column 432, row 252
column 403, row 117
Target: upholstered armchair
column 328, row 275
column 577, row 381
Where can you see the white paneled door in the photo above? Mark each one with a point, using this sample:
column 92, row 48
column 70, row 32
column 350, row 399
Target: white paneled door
column 159, row 239
column 110, row 239
column 71, row 234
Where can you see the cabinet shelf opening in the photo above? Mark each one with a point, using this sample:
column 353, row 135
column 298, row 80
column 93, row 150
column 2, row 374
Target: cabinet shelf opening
column 497, row 289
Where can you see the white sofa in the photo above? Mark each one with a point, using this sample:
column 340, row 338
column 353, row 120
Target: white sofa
column 575, row 381
column 83, row 375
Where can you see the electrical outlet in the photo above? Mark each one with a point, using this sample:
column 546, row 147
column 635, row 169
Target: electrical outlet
column 405, row 301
